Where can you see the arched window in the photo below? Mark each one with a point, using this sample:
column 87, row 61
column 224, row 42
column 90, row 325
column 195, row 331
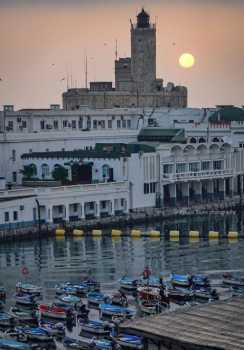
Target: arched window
column 193, row 140
column 34, row 169
column 45, row 171
column 202, row 140
column 215, row 139
column 105, row 171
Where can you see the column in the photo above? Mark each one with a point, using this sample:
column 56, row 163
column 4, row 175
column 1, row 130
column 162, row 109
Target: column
column 185, row 193
column 49, row 214
column 112, row 207
column 221, row 188
column 67, row 213
column 210, row 189
column 197, row 187
column 97, row 206
column 172, row 195
column 82, row 211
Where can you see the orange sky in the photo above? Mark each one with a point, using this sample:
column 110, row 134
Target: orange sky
column 39, row 44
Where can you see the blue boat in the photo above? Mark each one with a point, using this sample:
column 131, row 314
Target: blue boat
column 180, row 280
column 6, row 320
column 34, row 333
column 69, row 299
column 200, row 280
column 85, row 343
column 94, row 327
column 96, row 298
column 113, row 310
column 129, row 341
column 53, row 328
column 25, row 299
column 74, row 289
column 11, row 344
column 128, row 283
column 180, row 295
column 28, row 288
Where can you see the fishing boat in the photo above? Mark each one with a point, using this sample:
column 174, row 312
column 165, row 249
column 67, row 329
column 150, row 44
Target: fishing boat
column 110, row 310
column 94, row 327
column 200, row 281
column 22, row 316
column 180, row 280
column 150, row 308
column 6, row 320
column 119, row 299
column 71, row 300
column 53, row 328
column 205, row 294
column 86, row 343
column 52, row 311
column 2, row 292
column 151, row 281
column 129, row 341
column 148, row 293
column 92, row 284
column 35, row 333
column 94, row 299
column 75, row 289
column 28, row 288
column 232, row 280
column 129, row 284
column 11, row 344
column 25, row 299
column 1, row 305
column 180, row 295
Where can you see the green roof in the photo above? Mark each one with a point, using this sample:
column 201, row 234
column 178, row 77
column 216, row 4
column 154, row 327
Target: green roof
column 101, row 150
column 162, row 135
column 227, row 114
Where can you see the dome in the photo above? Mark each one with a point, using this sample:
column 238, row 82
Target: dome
column 143, row 19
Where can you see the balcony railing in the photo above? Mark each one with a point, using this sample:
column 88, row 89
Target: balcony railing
column 204, row 174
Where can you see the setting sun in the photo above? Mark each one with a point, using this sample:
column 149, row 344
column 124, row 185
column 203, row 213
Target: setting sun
column 187, row 60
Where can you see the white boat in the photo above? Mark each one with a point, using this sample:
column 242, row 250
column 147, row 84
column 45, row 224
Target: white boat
column 28, row 288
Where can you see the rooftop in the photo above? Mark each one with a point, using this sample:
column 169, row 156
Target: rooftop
column 162, row 135
column 227, row 114
column 219, row 325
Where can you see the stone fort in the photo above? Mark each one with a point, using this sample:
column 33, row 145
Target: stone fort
column 136, row 84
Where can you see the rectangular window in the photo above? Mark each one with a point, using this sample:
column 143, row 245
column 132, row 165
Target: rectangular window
column 146, row 188
column 181, row 167
column 15, row 215
column 80, row 123
column 217, row 164
column 194, row 166
column 168, row 168
column 110, row 124
column 13, row 155
column 94, row 124
column 65, row 123
column 123, row 123
column 60, row 209
column 122, row 201
column 42, row 124
column 75, row 207
column 102, row 123
column 14, row 176
column 128, row 123
column 73, row 123
column 55, row 124
column 10, row 125
column 118, row 124
column 103, row 204
column 91, row 205
column 24, row 124
column 206, row 165
column 6, row 216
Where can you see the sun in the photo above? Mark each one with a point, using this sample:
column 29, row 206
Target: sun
column 187, row 60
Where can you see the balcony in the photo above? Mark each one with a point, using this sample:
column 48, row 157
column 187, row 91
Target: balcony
column 196, row 175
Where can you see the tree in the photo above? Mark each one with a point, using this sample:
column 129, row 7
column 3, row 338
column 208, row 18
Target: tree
column 60, row 173
column 29, row 171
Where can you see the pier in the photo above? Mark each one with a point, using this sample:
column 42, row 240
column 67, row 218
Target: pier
column 219, row 325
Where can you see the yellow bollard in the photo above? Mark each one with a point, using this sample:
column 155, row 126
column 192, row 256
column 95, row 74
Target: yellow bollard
column 78, row 233
column 60, row 232
column 194, row 239
column 194, row 234
column 97, row 233
column 174, row 234
column 135, row 233
column 213, row 235
column 116, row 233
column 154, row 234
column 233, row 235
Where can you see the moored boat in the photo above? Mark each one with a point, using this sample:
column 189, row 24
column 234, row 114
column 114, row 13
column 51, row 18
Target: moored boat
column 179, row 295
column 2, row 292
column 86, row 343
column 119, row 299
column 150, row 308
column 11, row 344
column 148, row 293
column 128, row 283
column 69, row 299
column 200, row 281
column 110, row 310
column 206, row 294
column 52, row 311
column 28, row 288
column 53, row 328
column 6, row 320
column 96, row 298
column 232, row 280
column 34, row 333
column 25, row 299
column 94, row 327
column 180, row 280
column 129, row 341
column 22, row 316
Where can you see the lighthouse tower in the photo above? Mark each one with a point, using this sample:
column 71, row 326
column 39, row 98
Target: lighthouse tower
column 143, row 54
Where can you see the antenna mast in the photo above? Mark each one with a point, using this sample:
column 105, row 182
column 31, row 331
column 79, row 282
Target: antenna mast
column 86, row 73
column 116, row 49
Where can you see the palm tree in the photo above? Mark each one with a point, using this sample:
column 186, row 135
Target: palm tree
column 60, row 173
column 28, row 171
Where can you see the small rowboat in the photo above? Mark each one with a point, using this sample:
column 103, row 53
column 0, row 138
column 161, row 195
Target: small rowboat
column 80, row 289
column 28, row 288
column 180, row 280
column 113, row 310
column 25, row 299
column 129, row 341
column 233, row 281
column 118, row 299
column 52, row 311
column 150, row 308
column 180, row 294
column 53, row 328
column 200, row 281
column 96, row 298
column 128, row 283
column 148, row 293
column 86, row 343
column 6, row 320
column 70, row 300
column 35, row 333
column 205, row 294
column 94, row 327
column 11, row 344
column 22, row 316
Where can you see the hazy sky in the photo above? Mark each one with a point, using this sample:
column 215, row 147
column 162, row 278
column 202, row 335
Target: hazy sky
column 43, row 40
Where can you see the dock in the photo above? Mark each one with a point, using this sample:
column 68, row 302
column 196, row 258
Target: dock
column 215, row 326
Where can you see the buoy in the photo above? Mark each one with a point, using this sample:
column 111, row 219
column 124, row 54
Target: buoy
column 135, row 233
column 78, row 233
column 233, row 235
column 97, row 233
column 213, row 235
column 174, row 234
column 154, row 234
column 194, row 234
column 60, row 232
column 116, row 233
